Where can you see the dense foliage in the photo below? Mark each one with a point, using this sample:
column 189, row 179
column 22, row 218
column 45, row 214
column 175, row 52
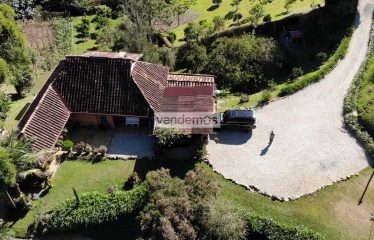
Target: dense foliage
column 362, row 125
column 241, row 63
column 177, row 208
column 4, row 107
column 260, row 227
column 167, row 137
column 95, row 208
column 317, row 75
column 14, row 52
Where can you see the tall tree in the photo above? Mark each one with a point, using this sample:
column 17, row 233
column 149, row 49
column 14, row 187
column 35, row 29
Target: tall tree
column 236, row 3
column 181, row 6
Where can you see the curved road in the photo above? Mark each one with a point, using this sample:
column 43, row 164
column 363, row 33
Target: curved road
column 311, row 149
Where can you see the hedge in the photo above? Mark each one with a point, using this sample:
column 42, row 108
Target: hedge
column 317, row 75
column 350, row 102
column 96, row 208
column 265, row 228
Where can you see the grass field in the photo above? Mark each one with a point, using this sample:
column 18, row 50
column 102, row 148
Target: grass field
column 332, row 211
column 275, row 9
column 83, row 176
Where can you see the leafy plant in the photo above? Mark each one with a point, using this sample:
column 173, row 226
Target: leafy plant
column 103, row 150
column 296, row 73
column 94, row 209
column 67, row 144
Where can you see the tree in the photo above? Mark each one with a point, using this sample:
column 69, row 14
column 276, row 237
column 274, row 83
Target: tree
column 288, row 4
column 177, row 208
column 24, row 9
column 219, row 23
column 14, row 53
column 84, row 28
column 181, row 6
column 22, row 80
column 193, row 57
column 4, row 71
column 106, row 38
column 193, row 32
column 236, row 3
column 242, row 63
column 217, row 2
column 4, row 107
column 256, row 13
column 8, row 172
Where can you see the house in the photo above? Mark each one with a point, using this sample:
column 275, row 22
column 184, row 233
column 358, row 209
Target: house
column 112, row 90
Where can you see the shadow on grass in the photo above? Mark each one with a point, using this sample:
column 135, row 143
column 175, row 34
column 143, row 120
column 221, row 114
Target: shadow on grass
column 366, row 188
column 178, row 168
column 230, row 15
column 282, row 14
column 213, row 7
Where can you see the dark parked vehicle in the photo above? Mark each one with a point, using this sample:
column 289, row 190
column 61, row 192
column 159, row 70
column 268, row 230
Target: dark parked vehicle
column 245, row 118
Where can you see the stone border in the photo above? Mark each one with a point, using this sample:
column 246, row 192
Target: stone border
column 352, row 92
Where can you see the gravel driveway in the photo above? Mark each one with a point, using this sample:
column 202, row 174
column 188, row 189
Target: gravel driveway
column 311, row 149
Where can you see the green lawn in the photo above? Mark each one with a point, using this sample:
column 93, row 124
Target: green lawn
column 275, row 9
column 332, row 211
column 83, row 176
column 232, row 101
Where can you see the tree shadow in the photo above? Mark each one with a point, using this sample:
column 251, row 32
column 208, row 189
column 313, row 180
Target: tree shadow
column 212, row 8
column 79, row 41
column 366, row 188
column 281, row 14
column 230, row 15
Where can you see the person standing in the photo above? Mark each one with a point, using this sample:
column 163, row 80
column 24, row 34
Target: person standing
column 271, row 137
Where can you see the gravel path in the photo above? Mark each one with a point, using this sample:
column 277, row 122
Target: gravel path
column 311, row 149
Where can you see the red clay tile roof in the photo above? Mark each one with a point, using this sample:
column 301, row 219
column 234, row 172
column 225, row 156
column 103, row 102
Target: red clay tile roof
column 104, row 83
column 189, row 99
column 102, row 86
column 47, row 121
column 152, row 81
column 190, row 80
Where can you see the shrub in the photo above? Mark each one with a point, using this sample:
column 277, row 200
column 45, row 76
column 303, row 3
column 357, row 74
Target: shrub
column 244, row 98
column 4, row 71
column 95, row 208
column 321, row 57
column 67, row 144
column 80, row 147
column 296, row 73
column 315, row 76
column 103, row 150
column 171, row 36
column 267, row 18
column 88, row 148
column 167, row 137
column 103, row 10
column 265, row 96
column 260, row 227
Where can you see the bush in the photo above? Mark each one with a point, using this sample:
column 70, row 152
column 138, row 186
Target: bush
column 103, row 10
column 321, row 57
column 296, row 73
column 265, row 96
column 260, row 227
column 351, row 120
column 4, row 71
column 315, row 76
column 88, row 148
column 103, row 150
column 80, row 147
column 67, row 144
column 171, row 36
column 244, row 98
column 167, row 137
column 267, row 18
column 93, row 209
